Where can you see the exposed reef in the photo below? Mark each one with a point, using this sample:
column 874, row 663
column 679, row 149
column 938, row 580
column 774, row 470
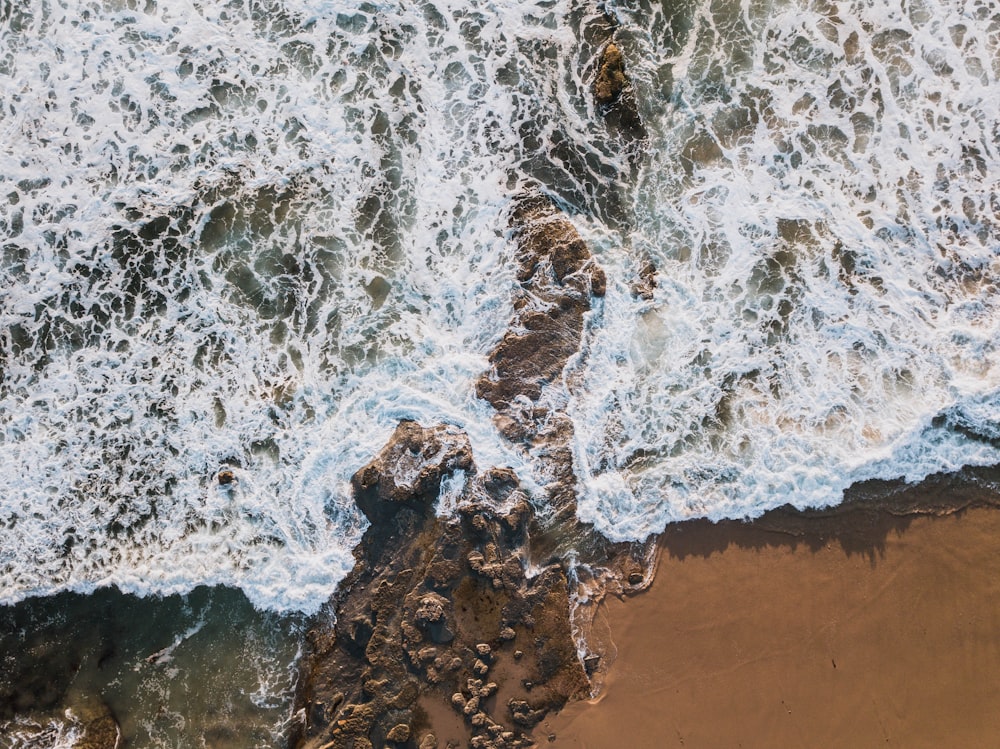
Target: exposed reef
column 439, row 636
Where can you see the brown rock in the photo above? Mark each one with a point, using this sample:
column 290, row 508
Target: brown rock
column 610, row 78
column 399, row 733
column 99, row 729
column 615, row 99
column 364, row 678
column 559, row 277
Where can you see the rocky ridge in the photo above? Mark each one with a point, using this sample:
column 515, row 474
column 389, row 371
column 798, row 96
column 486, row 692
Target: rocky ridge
column 558, row 277
column 440, row 637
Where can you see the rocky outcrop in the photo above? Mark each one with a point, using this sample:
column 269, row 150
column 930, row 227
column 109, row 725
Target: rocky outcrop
column 615, row 98
column 645, row 286
column 98, row 728
column 610, row 80
column 558, row 277
column 438, row 613
column 440, row 610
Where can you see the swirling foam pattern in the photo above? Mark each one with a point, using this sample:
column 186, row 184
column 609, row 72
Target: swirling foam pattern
column 252, row 234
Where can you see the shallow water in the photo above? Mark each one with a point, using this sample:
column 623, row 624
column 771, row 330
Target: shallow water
column 204, row 669
column 251, row 236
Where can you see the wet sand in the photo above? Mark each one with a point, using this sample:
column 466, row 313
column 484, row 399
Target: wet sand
column 859, row 628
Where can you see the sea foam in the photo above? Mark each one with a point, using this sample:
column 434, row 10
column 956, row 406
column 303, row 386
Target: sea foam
column 252, row 236
column 821, row 203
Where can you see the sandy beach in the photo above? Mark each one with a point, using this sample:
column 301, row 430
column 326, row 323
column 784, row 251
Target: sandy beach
column 857, row 629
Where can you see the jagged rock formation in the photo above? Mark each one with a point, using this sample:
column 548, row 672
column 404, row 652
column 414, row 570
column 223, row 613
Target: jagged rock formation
column 645, row 286
column 558, row 278
column 438, row 609
column 98, row 727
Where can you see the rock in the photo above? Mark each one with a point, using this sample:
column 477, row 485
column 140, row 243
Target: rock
column 523, row 714
column 432, row 616
column 471, row 705
column 635, row 578
column 591, row 662
column 558, row 277
column 431, row 609
column 615, row 99
column 610, row 80
column 644, row 288
column 429, row 741
column 98, row 727
column 399, row 733
column 391, row 637
column 408, row 471
column 507, row 634
column 226, row 477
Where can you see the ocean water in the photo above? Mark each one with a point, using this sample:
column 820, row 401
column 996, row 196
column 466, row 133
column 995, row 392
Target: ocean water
column 251, row 235
column 201, row 670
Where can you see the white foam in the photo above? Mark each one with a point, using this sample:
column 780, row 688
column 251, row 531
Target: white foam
column 324, row 190
column 840, row 163
column 290, row 320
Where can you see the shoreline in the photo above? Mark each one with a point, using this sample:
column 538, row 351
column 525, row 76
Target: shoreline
column 873, row 622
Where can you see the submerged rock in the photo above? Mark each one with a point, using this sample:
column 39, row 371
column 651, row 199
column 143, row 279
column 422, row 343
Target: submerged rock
column 99, row 729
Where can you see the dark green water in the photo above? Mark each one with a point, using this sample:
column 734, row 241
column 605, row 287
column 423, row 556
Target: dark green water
column 204, row 669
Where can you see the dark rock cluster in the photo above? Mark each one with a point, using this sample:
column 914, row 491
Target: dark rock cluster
column 438, row 609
